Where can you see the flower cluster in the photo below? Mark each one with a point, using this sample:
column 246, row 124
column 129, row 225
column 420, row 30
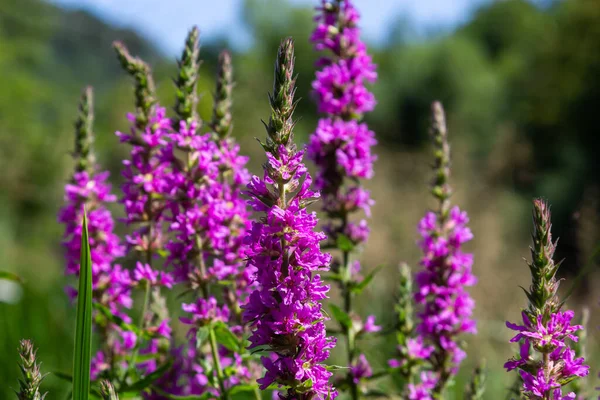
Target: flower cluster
column 145, row 188
column 208, row 220
column 546, row 329
column 341, row 144
column 339, row 87
column 446, row 306
column 146, row 180
column 285, row 310
column 89, row 191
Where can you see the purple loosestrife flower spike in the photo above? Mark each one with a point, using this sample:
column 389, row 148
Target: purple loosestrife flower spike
column 208, row 221
column 222, row 116
column 29, row 384
column 145, row 189
column 546, row 362
column 186, row 106
column 341, row 145
column 285, row 311
column 441, row 285
column 111, row 283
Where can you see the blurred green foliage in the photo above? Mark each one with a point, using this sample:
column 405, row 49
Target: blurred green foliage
column 520, row 82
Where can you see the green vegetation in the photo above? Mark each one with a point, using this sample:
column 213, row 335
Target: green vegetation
column 521, row 85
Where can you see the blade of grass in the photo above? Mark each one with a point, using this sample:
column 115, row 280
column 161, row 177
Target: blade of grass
column 83, row 331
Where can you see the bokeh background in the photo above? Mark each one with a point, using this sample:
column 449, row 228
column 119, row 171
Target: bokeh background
column 520, row 81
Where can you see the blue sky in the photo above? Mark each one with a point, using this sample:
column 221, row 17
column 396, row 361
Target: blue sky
column 163, row 22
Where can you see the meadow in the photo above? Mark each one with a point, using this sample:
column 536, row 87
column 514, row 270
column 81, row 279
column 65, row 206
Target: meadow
column 367, row 239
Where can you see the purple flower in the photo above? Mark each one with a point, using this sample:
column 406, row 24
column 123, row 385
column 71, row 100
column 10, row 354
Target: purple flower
column 146, row 176
column 360, row 369
column 285, row 311
column 546, row 329
column 422, row 390
column 441, row 286
column 370, row 326
column 549, row 335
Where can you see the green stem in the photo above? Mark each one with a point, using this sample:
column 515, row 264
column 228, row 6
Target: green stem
column 217, row 361
column 257, row 394
column 350, row 343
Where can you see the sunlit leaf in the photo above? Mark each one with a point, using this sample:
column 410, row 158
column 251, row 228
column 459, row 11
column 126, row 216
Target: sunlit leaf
column 83, row 331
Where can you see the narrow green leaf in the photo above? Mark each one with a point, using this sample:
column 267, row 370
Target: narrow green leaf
column 83, row 331
column 340, row 316
column 242, row 389
column 201, row 336
column 118, row 321
column 147, row 381
column 344, row 243
column 226, row 338
column 360, row 286
column 9, row 276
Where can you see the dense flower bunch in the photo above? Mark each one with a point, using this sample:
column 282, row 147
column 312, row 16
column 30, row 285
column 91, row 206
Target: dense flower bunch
column 285, row 310
column 112, row 284
column 341, row 145
column 446, row 306
column 546, row 329
column 208, row 220
column 341, row 148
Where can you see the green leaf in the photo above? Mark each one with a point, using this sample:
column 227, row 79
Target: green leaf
column 340, row 316
column 360, row 286
column 9, row 276
column 335, row 367
column 147, row 381
column 105, row 311
column 201, row 335
column 242, row 389
column 83, row 331
column 226, row 338
column 63, row 375
column 344, row 243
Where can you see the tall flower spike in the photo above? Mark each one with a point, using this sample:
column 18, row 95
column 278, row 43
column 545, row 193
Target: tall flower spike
column 208, row 223
column 222, row 116
column 112, row 284
column 546, row 362
column 446, row 306
column 284, row 311
column 341, row 148
column 145, row 186
column 186, row 106
column 29, row 384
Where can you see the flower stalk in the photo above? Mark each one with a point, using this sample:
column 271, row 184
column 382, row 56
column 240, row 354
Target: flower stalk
column 285, row 311
column 445, row 305
column 546, row 361
column 341, row 149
